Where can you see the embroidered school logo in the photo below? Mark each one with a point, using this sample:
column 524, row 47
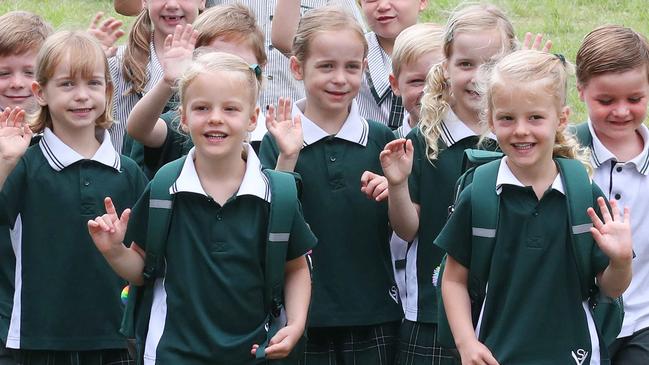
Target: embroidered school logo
column 436, row 276
column 394, row 294
column 580, row 356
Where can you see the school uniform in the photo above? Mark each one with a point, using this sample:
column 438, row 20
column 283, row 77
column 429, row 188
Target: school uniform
column 533, row 312
column 355, row 308
column 375, row 98
column 66, row 296
column 209, row 306
column 432, row 187
column 628, row 183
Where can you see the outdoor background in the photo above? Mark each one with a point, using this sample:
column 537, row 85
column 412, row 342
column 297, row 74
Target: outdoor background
column 565, row 22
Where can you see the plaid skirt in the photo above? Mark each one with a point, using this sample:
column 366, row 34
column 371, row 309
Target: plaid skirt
column 99, row 357
column 418, row 346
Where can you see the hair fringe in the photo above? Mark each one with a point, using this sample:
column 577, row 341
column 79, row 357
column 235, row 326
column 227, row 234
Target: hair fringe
column 137, row 53
column 434, row 106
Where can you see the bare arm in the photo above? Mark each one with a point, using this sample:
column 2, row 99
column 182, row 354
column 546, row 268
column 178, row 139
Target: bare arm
column 285, row 21
column 128, row 7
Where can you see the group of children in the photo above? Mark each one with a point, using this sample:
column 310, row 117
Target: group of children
column 375, row 147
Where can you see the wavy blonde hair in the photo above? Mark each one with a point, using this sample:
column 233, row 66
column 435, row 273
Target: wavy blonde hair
column 435, row 103
column 546, row 71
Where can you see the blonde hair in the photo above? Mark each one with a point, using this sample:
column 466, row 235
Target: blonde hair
column 234, row 22
column 547, row 71
column 611, row 48
column 328, row 18
column 77, row 48
column 471, row 18
column 414, row 42
column 22, row 32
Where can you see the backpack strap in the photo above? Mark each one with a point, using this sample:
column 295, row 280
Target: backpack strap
column 282, row 211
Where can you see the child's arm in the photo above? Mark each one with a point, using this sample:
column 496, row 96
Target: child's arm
column 396, row 161
column 458, row 310
column 287, row 133
column 107, row 33
column 108, row 233
column 613, row 236
column 297, row 294
column 144, row 123
column 284, row 25
column 15, row 136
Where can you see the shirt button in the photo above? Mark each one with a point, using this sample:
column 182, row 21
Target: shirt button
column 219, row 217
column 536, row 214
column 619, row 169
column 332, row 158
column 86, row 183
column 617, row 196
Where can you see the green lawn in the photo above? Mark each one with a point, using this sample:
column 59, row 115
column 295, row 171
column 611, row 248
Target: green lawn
column 564, row 21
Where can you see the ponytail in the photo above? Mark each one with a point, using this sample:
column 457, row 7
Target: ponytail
column 434, row 106
column 137, row 53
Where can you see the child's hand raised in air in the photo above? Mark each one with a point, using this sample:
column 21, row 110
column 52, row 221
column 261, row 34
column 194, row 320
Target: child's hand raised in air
column 536, row 45
column 15, row 134
column 396, row 161
column 287, row 131
column 476, row 353
column 613, row 235
column 282, row 343
column 177, row 52
column 108, row 230
column 107, row 33
column 374, row 186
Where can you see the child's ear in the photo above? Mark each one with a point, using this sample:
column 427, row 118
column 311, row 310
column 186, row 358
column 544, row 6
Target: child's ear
column 252, row 124
column 564, row 117
column 37, row 90
column 580, row 90
column 296, row 69
column 445, row 68
column 394, row 85
column 183, row 120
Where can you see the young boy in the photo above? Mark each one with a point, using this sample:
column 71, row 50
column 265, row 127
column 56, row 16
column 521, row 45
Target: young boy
column 613, row 81
column 21, row 36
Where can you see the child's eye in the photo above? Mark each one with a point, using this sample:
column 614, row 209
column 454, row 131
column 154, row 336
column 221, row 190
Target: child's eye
column 4, row 73
column 66, row 83
column 605, row 101
column 200, row 108
column 326, row 66
column 416, row 82
column 96, row 82
column 231, row 108
column 635, row 100
column 465, row 64
column 29, row 73
column 536, row 117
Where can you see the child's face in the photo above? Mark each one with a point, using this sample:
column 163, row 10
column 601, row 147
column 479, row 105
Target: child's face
column 468, row 52
column 525, row 118
column 16, row 77
column 74, row 102
column 411, row 81
column 387, row 18
column 616, row 103
column 167, row 14
column 237, row 48
column 218, row 112
column 332, row 71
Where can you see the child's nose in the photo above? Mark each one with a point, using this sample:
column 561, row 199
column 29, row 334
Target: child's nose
column 621, row 110
column 19, row 82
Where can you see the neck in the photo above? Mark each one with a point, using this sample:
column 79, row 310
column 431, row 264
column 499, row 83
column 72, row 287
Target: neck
column 331, row 121
column 412, row 122
column 387, row 44
column 624, row 149
column 540, row 177
column 220, row 177
column 82, row 140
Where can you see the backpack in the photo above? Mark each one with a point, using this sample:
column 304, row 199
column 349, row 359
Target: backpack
column 283, row 205
column 482, row 168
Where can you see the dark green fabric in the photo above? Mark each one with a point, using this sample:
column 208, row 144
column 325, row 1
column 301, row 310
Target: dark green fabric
column 176, row 145
column 7, row 271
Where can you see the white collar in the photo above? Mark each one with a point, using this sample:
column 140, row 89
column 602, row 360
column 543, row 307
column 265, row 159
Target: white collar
column 59, row 155
column 254, row 181
column 379, row 67
column 600, row 154
column 355, row 129
column 506, row 177
column 455, row 130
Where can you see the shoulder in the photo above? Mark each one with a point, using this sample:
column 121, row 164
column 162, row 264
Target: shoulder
column 379, row 134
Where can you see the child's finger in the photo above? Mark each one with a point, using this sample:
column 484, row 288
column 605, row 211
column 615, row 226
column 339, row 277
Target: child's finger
column 123, row 219
column 270, row 117
column 168, row 41
column 177, row 33
column 615, row 210
column 627, row 215
column 606, row 214
column 548, row 46
column 410, row 149
column 537, row 41
column 597, row 223
column 383, row 195
column 187, row 33
column 297, row 121
column 103, row 224
column 280, row 108
column 110, row 207
column 95, row 20
column 366, row 177
column 287, row 109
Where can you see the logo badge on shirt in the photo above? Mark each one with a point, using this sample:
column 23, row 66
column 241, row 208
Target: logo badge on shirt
column 580, row 356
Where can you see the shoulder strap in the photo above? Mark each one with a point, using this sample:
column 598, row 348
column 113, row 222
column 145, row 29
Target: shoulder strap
column 160, row 207
column 282, row 211
column 579, row 194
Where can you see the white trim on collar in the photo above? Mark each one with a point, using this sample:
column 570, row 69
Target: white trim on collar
column 59, row 155
column 506, row 177
column 254, row 181
column 455, row 130
column 377, row 60
column 355, row 129
column 600, row 154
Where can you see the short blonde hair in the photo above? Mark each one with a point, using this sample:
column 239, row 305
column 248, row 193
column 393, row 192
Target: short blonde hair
column 544, row 70
column 328, row 18
column 22, row 32
column 414, row 42
column 83, row 53
column 234, row 21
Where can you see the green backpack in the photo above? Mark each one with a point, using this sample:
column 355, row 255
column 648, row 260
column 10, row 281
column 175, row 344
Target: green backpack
column 283, row 205
column 482, row 170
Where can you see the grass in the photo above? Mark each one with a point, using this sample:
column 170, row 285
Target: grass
column 565, row 22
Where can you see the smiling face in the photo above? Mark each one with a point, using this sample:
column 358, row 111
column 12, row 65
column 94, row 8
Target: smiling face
column 16, row 77
column 167, row 14
column 617, row 103
column 410, row 83
column 387, row 18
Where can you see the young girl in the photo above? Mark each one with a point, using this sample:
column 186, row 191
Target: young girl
column 533, row 310
column 355, row 312
column 66, row 306
column 210, row 301
column 447, row 126
column 613, row 81
column 136, row 68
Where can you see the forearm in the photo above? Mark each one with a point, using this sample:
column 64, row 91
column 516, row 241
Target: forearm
column 616, row 278
column 404, row 214
column 297, row 291
column 286, row 163
column 284, row 26
column 127, row 262
column 143, row 119
column 457, row 303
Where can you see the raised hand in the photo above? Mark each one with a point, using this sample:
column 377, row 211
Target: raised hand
column 536, row 45
column 108, row 230
column 177, row 52
column 396, row 160
column 107, row 33
column 15, row 134
column 613, row 235
column 282, row 343
column 287, row 131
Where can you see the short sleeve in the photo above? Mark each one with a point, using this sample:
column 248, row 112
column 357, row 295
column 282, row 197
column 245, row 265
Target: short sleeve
column 139, row 220
column 302, row 239
column 268, row 152
column 12, row 193
column 455, row 237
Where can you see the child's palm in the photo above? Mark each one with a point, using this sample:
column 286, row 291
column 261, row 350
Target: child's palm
column 396, row 160
column 613, row 235
column 108, row 230
column 287, row 131
column 15, row 134
column 178, row 51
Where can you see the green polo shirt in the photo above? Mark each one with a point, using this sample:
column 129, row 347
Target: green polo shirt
column 533, row 312
column 353, row 283
column 432, row 186
column 67, row 296
column 7, row 271
column 209, row 307
column 175, row 145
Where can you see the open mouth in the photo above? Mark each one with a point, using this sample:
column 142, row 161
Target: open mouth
column 336, row 93
column 385, row 19
column 174, row 19
column 215, row 136
column 523, row 146
column 81, row 110
column 17, row 97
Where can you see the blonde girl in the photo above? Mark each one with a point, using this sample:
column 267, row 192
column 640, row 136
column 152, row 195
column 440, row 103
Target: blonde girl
column 533, row 310
column 66, row 306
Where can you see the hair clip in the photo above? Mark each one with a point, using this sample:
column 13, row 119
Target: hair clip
column 561, row 58
column 256, row 69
